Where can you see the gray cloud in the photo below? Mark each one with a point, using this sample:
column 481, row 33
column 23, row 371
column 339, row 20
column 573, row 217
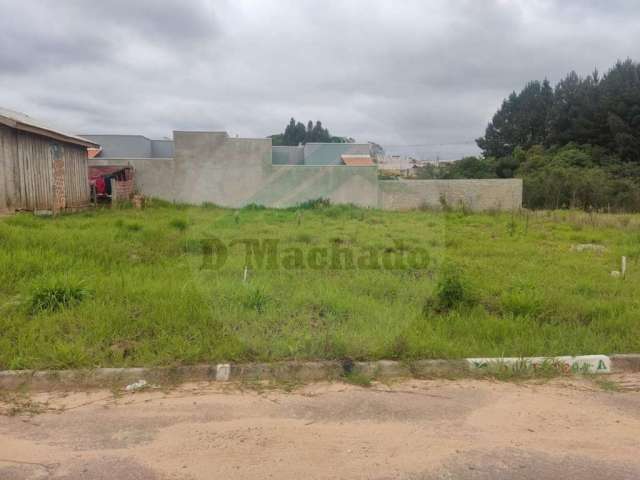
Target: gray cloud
column 426, row 75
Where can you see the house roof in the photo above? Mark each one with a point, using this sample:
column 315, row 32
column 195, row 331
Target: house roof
column 353, row 160
column 25, row 123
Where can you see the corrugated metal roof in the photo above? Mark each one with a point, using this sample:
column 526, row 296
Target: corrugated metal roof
column 23, row 122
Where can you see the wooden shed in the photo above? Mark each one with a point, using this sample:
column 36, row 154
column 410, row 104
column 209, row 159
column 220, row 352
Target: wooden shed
column 41, row 168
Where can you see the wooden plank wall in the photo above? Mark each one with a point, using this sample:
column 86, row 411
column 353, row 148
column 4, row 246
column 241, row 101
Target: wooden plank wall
column 26, row 172
column 76, row 177
column 8, row 154
column 34, row 173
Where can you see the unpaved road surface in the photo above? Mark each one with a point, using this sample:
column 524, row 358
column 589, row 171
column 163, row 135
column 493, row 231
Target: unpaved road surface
column 418, row 430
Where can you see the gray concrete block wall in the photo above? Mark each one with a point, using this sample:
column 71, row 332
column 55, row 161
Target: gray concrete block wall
column 212, row 167
column 330, row 153
column 289, row 185
column 233, row 172
column 123, row 146
column 162, row 149
column 287, row 155
column 478, row 195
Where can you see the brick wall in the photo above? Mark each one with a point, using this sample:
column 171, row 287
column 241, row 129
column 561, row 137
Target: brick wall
column 122, row 190
column 59, row 200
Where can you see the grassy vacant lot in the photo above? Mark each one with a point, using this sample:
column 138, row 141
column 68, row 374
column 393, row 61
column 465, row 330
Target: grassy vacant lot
column 126, row 287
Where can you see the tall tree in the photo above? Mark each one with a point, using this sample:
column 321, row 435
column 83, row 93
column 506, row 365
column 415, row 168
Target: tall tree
column 295, row 133
column 520, row 121
column 604, row 112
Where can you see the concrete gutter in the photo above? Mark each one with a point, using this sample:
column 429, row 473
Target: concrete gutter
column 308, row 371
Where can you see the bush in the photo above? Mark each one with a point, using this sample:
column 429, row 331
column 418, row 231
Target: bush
column 179, row 224
column 56, row 297
column 257, row 300
column 451, row 292
column 314, row 204
column 254, row 206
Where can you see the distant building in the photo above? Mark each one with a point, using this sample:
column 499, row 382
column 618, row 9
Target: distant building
column 400, row 166
column 131, row 146
column 41, row 168
column 323, row 154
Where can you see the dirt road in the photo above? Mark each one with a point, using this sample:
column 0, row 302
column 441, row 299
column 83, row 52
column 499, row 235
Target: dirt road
column 422, row 430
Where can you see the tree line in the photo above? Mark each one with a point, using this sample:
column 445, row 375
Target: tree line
column 576, row 145
column 295, row 133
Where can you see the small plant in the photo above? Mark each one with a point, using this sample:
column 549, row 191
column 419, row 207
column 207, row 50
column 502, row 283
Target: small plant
column 451, row 292
column 465, row 208
column 357, row 378
column 512, row 226
column 315, row 204
column 131, row 227
column 56, row 297
column 179, row 224
column 257, row 300
column 304, row 238
column 607, row 385
column 444, row 204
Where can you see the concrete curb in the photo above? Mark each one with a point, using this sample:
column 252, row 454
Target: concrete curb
column 301, row 371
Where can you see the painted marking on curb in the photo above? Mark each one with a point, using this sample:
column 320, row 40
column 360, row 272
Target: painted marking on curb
column 579, row 364
column 223, row 372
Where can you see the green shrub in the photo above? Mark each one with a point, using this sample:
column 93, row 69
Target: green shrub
column 253, row 207
column 179, row 224
column 257, row 300
column 451, row 292
column 57, row 296
column 314, row 204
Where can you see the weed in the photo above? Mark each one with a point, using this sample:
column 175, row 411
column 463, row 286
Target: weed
column 607, row 385
column 303, row 238
column 56, row 297
column 179, row 224
column 451, row 292
column 512, row 226
column 130, row 227
column 152, row 302
column 256, row 300
column 357, row 378
column 315, row 204
column 20, row 404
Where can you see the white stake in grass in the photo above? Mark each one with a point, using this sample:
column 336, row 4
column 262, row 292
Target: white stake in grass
column 246, row 271
column 623, row 267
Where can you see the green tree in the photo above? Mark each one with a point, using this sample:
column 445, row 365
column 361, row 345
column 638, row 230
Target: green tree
column 522, row 120
column 295, row 133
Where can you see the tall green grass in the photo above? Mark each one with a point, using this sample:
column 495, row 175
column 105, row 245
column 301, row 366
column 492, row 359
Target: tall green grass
column 128, row 287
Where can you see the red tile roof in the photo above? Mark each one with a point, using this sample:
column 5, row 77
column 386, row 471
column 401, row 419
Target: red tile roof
column 357, row 160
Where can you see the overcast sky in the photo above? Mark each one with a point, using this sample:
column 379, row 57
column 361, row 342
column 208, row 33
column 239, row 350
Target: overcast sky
column 423, row 74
